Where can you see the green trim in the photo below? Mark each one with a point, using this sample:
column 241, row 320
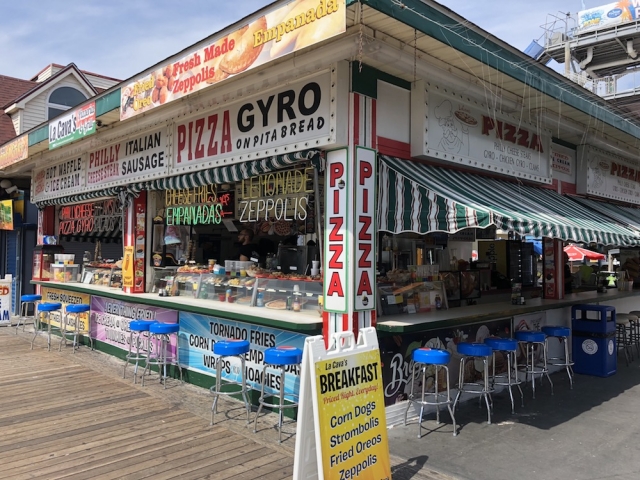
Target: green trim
column 431, row 22
column 558, row 141
column 365, row 81
column 207, row 308
column 39, row 135
column 108, row 102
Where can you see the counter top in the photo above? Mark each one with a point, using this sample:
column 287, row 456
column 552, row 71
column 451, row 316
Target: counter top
column 419, row 322
column 310, row 324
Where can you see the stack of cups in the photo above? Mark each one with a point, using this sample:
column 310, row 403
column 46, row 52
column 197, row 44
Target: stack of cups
column 315, row 268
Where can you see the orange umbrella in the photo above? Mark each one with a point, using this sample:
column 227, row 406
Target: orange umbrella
column 577, row 254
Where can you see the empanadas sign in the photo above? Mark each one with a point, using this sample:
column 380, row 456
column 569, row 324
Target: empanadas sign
column 283, row 30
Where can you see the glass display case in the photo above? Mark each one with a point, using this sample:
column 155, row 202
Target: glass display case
column 273, row 293
column 411, row 297
column 43, row 258
column 287, row 294
column 106, row 276
column 65, row 273
column 162, row 277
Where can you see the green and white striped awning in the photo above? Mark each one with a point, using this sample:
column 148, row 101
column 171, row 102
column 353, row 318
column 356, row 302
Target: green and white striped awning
column 81, row 197
column 413, row 197
column 230, row 173
column 628, row 216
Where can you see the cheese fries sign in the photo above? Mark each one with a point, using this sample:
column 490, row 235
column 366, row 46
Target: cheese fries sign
column 278, row 32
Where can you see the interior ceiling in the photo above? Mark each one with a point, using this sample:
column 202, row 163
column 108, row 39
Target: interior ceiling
column 378, row 27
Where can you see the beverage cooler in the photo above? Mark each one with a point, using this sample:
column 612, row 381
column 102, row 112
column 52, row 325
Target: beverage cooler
column 43, row 258
column 511, row 258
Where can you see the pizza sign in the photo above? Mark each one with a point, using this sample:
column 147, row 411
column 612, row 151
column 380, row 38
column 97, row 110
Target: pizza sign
column 365, row 203
column 336, row 228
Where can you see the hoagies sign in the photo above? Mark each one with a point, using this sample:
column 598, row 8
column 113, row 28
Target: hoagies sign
column 288, row 116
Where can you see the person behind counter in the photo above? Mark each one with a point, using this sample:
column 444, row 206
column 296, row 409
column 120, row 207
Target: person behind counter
column 568, row 278
column 248, row 249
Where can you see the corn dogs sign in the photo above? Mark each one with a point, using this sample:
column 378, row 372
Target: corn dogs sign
column 280, row 31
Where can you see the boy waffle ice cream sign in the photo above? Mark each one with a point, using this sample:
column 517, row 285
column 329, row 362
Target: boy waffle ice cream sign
column 287, row 29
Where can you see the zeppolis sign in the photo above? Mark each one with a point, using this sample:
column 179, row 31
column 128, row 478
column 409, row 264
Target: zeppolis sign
column 291, row 115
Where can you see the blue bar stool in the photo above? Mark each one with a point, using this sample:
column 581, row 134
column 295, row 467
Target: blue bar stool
column 138, row 332
column 562, row 334
column 482, row 352
column 25, row 301
column 71, row 325
column 507, row 347
column 430, row 362
column 44, row 310
column 160, row 333
column 532, row 342
column 225, row 350
column 278, row 358
column 635, row 337
column 624, row 330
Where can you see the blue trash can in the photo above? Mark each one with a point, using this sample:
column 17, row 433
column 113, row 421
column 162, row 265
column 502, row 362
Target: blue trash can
column 594, row 340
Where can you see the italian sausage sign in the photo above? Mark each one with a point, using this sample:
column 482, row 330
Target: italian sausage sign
column 290, row 118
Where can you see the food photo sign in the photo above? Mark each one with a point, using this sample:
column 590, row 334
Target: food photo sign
column 278, row 32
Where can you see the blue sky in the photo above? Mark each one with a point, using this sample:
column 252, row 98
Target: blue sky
column 120, row 38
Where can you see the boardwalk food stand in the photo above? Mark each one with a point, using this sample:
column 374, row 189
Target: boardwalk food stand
column 380, row 190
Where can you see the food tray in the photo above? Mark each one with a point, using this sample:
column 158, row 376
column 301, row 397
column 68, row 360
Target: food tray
column 243, row 300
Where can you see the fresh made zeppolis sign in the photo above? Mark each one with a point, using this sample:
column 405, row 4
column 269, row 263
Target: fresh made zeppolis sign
column 135, row 159
column 59, row 180
column 289, row 116
column 280, row 31
column 73, row 126
column 458, row 132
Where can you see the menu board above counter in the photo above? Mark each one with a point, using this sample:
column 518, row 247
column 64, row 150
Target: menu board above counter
column 454, row 129
column 607, row 175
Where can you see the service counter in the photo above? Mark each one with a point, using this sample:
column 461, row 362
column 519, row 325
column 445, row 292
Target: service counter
column 307, row 324
column 202, row 322
column 453, row 317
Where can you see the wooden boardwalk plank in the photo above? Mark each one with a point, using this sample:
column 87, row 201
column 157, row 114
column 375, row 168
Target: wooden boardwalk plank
column 67, row 417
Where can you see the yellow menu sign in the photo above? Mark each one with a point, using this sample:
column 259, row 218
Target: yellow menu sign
column 351, row 417
column 127, row 267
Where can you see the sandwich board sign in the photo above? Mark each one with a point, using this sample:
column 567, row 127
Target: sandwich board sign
column 344, row 435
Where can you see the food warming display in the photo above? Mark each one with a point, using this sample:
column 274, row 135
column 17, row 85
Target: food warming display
column 257, row 288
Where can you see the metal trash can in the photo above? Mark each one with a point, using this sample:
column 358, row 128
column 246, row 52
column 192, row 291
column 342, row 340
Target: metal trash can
column 593, row 331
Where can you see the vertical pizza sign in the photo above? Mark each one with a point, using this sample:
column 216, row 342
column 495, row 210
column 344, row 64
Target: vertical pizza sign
column 365, row 208
column 337, row 219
